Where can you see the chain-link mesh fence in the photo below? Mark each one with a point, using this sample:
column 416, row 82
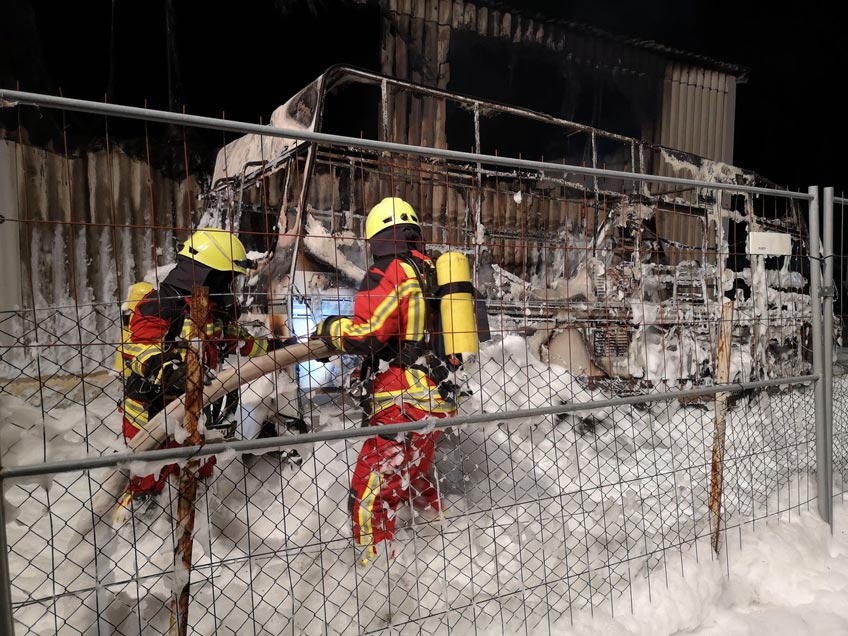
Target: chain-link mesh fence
column 537, row 520
column 839, row 398
column 598, row 290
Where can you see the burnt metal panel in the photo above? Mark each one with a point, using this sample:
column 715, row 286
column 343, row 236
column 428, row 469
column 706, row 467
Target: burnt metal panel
column 698, row 112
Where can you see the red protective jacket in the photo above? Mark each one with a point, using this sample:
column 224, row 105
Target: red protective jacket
column 390, row 323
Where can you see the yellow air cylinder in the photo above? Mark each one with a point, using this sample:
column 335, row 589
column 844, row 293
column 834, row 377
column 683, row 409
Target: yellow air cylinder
column 136, row 292
column 459, row 323
column 120, row 366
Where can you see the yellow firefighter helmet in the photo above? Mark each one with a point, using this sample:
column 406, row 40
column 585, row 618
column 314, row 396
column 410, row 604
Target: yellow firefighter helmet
column 217, row 249
column 388, row 212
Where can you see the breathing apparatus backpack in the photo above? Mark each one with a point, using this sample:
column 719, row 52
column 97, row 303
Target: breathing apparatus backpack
column 456, row 313
column 455, row 324
column 461, row 320
column 135, row 293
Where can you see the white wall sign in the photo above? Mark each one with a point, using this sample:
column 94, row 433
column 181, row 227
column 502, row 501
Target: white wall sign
column 771, row 243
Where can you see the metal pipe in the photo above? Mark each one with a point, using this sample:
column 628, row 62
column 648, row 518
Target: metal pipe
column 146, row 114
column 827, row 310
column 115, row 459
column 7, row 626
column 496, row 107
column 818, row 356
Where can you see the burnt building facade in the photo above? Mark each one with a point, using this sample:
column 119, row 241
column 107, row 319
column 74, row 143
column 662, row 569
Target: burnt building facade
column 496, row 52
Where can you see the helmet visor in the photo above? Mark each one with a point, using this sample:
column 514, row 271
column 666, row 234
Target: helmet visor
column 245, row 264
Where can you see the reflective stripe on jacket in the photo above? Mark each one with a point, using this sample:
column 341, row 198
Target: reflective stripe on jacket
column 390, row 315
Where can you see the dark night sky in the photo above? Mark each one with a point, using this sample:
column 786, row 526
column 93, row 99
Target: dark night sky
column 246, row 58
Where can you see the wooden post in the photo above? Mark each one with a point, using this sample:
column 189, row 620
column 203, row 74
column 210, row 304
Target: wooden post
column 188, row 475
column 722, row 377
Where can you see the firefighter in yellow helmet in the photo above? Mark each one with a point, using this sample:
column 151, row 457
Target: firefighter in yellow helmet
column 389, row 329
column 158, row 325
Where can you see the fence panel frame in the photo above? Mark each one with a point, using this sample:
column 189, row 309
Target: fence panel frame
column 821, row 287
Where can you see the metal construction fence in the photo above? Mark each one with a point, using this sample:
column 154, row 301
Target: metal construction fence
column 658, row 378
column 836, row 399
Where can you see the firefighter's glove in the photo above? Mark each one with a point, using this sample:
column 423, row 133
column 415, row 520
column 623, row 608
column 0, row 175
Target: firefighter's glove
column 172, row 377
column 322, row 333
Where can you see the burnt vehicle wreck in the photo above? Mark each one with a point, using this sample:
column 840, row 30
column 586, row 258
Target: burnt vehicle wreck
column 620, row 281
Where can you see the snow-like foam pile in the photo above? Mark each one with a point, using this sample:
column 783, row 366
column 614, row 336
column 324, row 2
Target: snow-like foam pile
column 787, row 578
column 542, row 518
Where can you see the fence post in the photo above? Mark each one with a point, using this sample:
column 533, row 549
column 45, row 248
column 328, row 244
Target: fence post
column 827, row 309
column 818, row 356
column 722, row 377
column 188, row 475
column 7, row 626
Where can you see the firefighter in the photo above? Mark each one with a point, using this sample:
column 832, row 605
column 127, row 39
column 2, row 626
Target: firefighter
column 154, row 352
column 389, row 329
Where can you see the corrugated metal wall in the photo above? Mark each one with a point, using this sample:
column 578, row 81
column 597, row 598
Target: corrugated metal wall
column 89, row 226
column 698, row 112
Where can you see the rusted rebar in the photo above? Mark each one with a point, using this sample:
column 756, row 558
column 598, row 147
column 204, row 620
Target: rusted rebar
column 722, row 376
column 188, row 476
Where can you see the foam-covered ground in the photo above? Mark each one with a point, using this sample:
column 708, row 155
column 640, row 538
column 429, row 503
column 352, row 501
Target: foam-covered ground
column 542, row 525
column 786, row 578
